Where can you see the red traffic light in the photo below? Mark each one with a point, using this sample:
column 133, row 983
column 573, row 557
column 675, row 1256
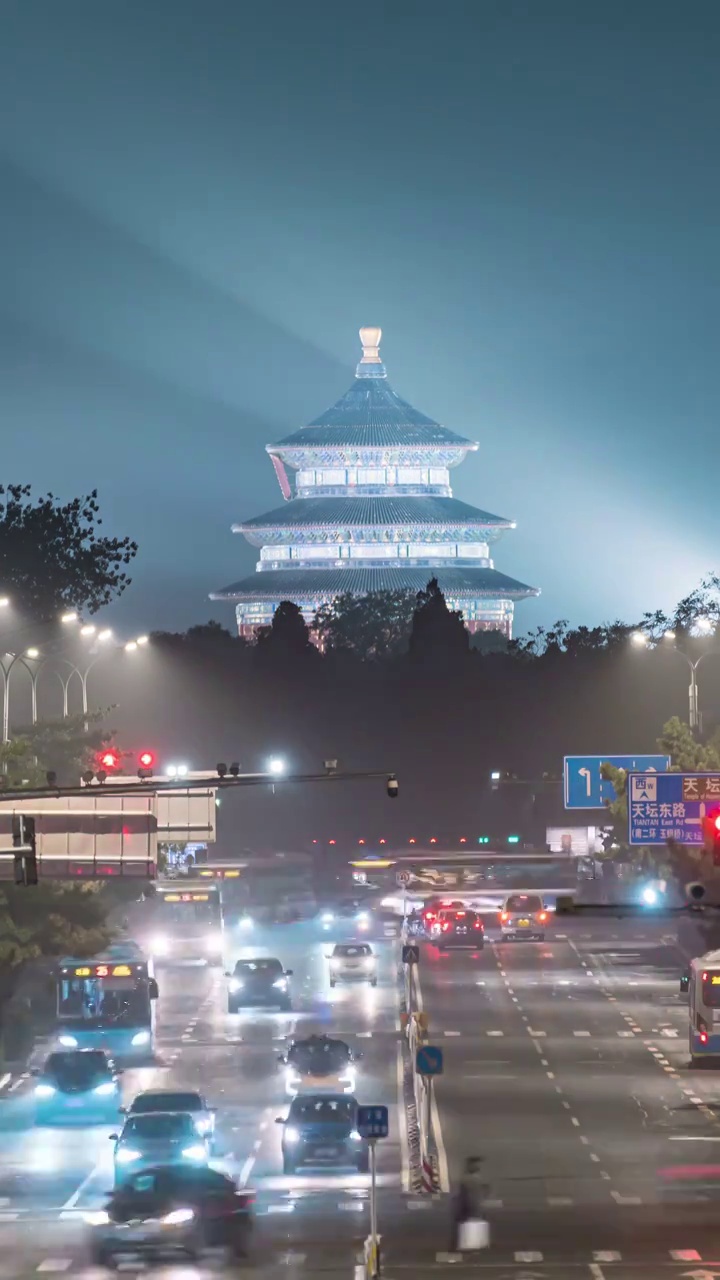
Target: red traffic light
column 717, row 822
column 146, row 759
column 110, row 759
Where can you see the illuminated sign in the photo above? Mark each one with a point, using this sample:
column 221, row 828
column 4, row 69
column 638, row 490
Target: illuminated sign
column 104, row 971
column 186, row 897
column 715, row 980
column 82, row 973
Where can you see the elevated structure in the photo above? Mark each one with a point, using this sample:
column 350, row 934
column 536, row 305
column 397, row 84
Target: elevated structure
column 372, row 510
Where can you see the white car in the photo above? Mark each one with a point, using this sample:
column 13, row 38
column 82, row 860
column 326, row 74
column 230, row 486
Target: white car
column 184, row 1100
column 320, row 1064
column 353, row 962
column 523, row 916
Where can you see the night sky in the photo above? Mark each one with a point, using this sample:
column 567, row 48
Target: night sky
column 201, row 202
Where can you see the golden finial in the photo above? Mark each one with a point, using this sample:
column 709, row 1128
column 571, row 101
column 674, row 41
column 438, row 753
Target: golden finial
column 370, row 339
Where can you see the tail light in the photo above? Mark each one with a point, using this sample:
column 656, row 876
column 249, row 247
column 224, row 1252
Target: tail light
column 703, row 1037
column 542, row 916
column 478, row 924
column 459, row 915
column 504, row 915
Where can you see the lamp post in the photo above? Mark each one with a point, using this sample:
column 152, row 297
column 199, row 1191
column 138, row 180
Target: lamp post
column 694, row 717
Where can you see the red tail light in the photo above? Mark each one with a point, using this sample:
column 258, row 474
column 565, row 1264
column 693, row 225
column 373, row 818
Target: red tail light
column 504, row 915
column 703, row 1037
column 459, row 915
column 542, row 915
column 478, row 924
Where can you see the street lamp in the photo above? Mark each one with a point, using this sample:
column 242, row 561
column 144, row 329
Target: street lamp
column 640, row 639
column 69, row 617
column 105, row 635
column 88, row 630
column 177, row 770
column 4, row 602
column 704, row 626
column 276, row 766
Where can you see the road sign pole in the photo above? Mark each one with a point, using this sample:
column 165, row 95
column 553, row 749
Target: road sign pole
column 373, row 1208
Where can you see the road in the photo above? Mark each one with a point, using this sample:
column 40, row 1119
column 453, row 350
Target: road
column 565, row 1067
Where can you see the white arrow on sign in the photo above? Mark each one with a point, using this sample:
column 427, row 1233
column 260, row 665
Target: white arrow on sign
column 585, row 773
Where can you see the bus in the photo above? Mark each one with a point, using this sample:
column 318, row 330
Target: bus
column 185, row 922
column 704, row 1008
column 479, row 880
column 108, row 1002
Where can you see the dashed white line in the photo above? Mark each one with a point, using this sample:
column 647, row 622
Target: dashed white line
column 581, row 1033
column 246, row 1170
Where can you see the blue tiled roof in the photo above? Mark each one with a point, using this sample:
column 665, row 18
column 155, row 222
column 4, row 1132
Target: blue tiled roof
column 302, row 584
column 372, row 415
column 329, row 512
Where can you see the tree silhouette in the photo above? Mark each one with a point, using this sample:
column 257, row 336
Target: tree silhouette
column 372, row 627
column 52, row 558
column 287, row 638
column 438, row 633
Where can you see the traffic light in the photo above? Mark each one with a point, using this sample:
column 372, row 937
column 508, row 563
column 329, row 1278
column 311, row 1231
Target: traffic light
column 711, row 834
column 146, row 764
column 25, row 859
column 109, row 759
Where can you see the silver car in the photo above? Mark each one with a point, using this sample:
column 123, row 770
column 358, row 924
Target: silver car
column 159, row 1138
column 523, row 916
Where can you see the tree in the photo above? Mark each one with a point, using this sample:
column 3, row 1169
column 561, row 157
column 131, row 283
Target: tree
column 63, row 746
column 372, row 627
column 287, row 638
column 52, row 557
column 438, row 633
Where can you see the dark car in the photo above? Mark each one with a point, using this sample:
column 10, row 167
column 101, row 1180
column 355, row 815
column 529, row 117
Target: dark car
column 77, row 1084
column 262, row 981
column 321, row 1130
column 158, row 1138
column 459, row 928
column 161, row 1211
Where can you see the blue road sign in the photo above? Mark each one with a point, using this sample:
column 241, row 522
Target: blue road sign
column 584, row 787
column 372, row 1122
column 429, row 1060
column 670, row 806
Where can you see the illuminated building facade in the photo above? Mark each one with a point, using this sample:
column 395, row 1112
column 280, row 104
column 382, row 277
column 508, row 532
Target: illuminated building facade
column 372, row 510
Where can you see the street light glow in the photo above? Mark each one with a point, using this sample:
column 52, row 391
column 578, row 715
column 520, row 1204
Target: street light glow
column 88, row 630
column 142, row 640
column 105, row 635
column 4, row 602
column 495, row 775
column 69, row 617
column 177, row 770
column 639, row 638
column 668, row 635
column 32, row 653
column 131, row 646
column 276, row 766
column 703, row 626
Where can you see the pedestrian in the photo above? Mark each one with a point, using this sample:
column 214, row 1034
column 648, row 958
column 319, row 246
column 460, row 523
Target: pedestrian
column 470, row 1230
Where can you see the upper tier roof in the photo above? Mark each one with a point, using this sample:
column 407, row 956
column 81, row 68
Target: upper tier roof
column 344, row 512
column 372, row 415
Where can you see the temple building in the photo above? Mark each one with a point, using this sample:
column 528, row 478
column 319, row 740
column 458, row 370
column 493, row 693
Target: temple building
column 371, row 509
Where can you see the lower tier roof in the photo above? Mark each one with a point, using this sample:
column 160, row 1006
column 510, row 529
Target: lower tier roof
column 344, row 512
column 301, row 584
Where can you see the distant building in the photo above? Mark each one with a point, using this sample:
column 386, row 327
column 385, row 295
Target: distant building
column 372, row 510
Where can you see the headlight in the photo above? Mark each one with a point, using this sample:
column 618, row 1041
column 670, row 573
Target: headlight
column 204, row 1124
column 214, row 942
column 99, row 1218
column 106, row 1088
column 246, row 922
column 196, row 1152
column 649, row 896
column 363, row 925
column 327, row 917
column 348, row 1080
column 280, row 984
column 141, row 1037
column 362, row 917
column 334, row 963
column 292, row 1134
column 44, row 1090
column 369, row 962
column 355, row 1136
column 178, row 1216
column 68, row 1042
column 126, row 1155
column 236, row 984
column 292, row 1076
column 160, row 945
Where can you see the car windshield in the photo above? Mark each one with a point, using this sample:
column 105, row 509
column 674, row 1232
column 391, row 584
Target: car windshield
column 77, row 1068
column 159, row 1126
column 258, row 968
column 524, row 902
column 167, row 1102
column 319, row 1055
column 322, row 1110
column 353, row 951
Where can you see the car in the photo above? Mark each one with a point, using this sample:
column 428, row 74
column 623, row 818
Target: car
column 161, row 1137
column 352, row 962
column 81, row 1084
column 523, row 915
column 321, row 1129
column 260, row 981
column 184, row 1100
column 320, row 1064
column 459, row 928
column 171, row 1210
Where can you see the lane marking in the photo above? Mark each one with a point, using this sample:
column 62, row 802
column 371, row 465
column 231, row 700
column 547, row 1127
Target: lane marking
column 596, row 1271
column 528, row 1256
column 558, row 1201
column 496, row 1033
column 5, row 1080
column 55, row 1264
column 246, row 1171
column 581, row 1033
column 606, row 1255
column 451, row 1033
column 70, row 1204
